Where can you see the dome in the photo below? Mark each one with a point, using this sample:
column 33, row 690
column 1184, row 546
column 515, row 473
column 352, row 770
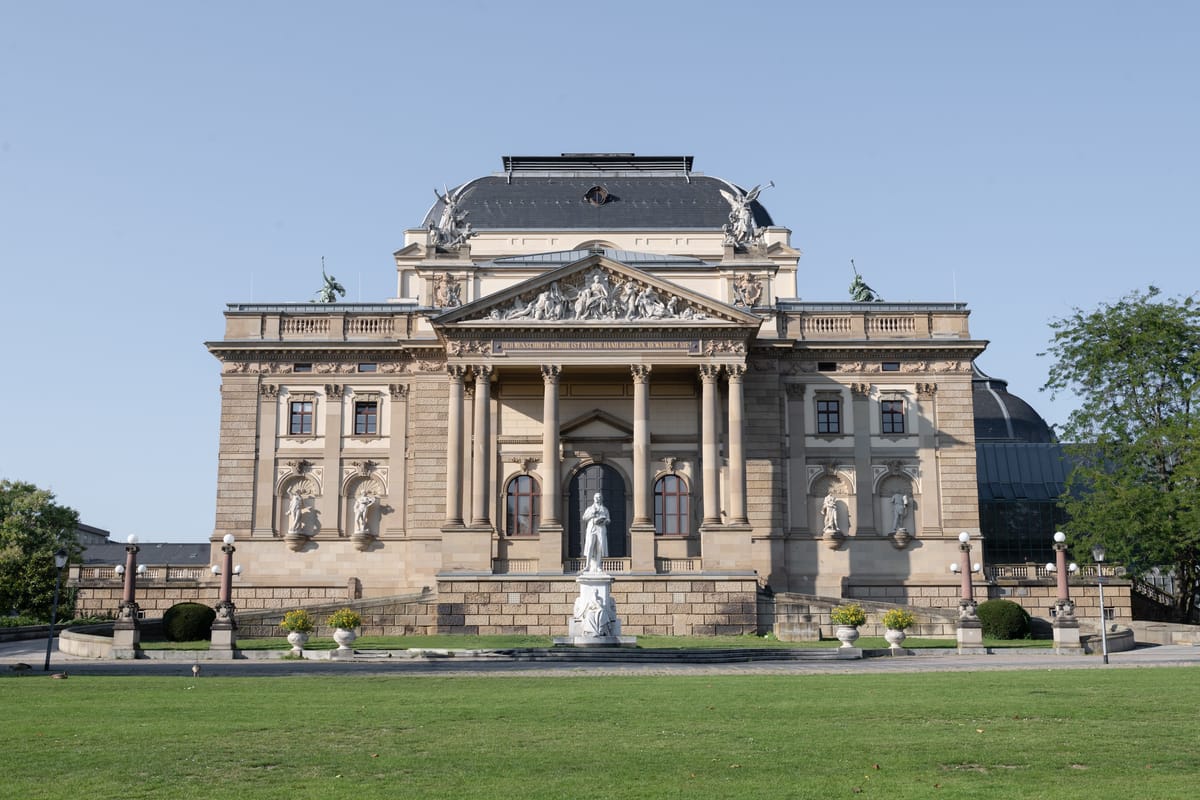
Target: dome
column 596, row 192
column 1001, row 416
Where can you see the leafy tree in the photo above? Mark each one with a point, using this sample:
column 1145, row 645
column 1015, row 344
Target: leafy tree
column 1136, row 437
column 32, row 528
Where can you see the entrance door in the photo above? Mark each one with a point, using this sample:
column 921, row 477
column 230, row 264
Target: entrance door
column 611, row 486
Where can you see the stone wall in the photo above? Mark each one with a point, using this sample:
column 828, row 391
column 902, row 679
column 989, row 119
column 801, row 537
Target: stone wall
column 101, row 598
column 1036, row 598
column 662, row 605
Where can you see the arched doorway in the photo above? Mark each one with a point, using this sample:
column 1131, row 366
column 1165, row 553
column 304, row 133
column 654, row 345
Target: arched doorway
column 611, row 486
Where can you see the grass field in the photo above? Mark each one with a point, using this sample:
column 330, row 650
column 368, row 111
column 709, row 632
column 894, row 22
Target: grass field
column 996, row 735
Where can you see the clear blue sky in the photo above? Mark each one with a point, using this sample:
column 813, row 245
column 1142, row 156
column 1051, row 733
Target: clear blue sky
column 158, row 160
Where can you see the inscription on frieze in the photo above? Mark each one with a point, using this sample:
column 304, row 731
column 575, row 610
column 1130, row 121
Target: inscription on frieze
column 555, row 345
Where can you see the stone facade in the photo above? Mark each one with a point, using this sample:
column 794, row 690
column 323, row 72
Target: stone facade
column 642, row 342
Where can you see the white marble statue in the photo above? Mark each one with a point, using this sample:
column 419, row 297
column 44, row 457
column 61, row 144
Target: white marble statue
column 295, row 511
column 594, row 615
column 595, row 543
column 829, row 513
column 900, row 503
column 362, row 510
column 740, row 230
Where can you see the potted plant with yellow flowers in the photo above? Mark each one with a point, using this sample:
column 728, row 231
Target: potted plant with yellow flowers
column 848, row 618
column 344, row 621
column 897, row 621
column 299, row 624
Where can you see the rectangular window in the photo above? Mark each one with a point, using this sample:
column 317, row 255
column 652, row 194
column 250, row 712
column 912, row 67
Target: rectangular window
column 366, row 417
column 829, row 416
column 300, row 418
column 826, row 366
column 367, row 367
column 891, row 417
column 302, row 368
column 890, row 366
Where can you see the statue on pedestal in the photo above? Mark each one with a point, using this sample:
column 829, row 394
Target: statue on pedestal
column 595, row 543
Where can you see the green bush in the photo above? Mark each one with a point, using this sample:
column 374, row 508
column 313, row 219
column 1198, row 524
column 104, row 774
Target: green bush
column 188, row 622
column 1004, row 619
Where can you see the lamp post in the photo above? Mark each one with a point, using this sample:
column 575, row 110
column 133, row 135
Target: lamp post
column 970, row 629
column 1098, row 557
column 225, row 623
column 1065, row 626
column 60, row 561
column 127, row 630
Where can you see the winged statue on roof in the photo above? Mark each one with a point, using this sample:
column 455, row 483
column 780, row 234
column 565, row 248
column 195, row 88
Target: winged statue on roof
column 740, row 230
column 330, row 292
column 452, row 229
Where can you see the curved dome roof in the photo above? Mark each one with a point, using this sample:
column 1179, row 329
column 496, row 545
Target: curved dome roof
column 1001, row 416
column 596, row 192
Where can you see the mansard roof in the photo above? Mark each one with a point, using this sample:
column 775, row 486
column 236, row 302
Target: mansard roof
column 635, row 193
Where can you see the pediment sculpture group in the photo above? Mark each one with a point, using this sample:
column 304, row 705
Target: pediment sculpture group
column 599, row 298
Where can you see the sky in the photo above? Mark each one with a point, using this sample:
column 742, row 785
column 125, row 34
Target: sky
column 159, row 160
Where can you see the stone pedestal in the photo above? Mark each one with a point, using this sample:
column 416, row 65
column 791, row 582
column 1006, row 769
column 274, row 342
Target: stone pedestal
column 1066, row 629
column 970, row 630
column 224, row 626
column 594, row 621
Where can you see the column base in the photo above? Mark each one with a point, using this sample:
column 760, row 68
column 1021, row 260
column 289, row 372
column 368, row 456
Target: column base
column 127, row 637
column 466, row 549
column 641, row 547
column 550, row 548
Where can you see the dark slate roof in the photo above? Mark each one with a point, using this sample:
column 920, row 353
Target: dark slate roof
column 643, row 192
column 1001, row 416
column 1020, row 471
column 151, row 554
column 629, row 257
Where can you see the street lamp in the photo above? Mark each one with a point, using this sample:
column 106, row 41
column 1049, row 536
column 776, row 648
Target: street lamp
column 970, row 629
column 1066, row 627
column 1098, row 557
column 225, row 623
column 126, row 630
column 60, row 561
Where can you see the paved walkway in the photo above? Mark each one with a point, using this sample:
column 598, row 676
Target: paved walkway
column 34, row 654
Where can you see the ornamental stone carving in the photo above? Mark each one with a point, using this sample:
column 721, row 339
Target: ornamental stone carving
column 598, row 296
column 447, row 291
column 747, row 291
column 452, row 230
column 268, row 391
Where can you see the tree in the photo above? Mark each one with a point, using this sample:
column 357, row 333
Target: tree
column 32, row 528
column 1135, row 487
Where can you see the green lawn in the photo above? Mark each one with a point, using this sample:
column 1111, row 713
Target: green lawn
column 461, row 641
column 1027, row 734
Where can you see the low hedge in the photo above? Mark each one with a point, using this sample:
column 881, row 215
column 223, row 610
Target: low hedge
column 1004, row 619
column 188, row 622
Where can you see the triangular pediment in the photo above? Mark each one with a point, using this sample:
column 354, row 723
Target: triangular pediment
column 596, row 291
column 596, row 424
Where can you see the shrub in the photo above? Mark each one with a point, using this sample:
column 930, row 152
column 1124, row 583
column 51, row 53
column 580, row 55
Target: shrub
column 851, row 614
column 298, row 621
column 188, row 622
column 899, row 619
column 344, row 618
column 1004, row 619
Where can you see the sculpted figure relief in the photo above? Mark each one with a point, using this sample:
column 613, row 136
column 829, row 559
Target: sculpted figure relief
column 740, row 230
column 451, row 231
column 595, row 543
column 599, row 298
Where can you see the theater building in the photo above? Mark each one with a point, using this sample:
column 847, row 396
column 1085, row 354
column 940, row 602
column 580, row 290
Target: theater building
column 597, row 323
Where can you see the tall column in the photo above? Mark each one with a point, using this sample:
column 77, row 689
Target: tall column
column 550, row 461
column 641, row 532
column 398, row 456
column 264, row 478
column 708, row 443
column 454, row 446
column 550, row 551
column 641, row 443
column 737, row 453
column 480, row 480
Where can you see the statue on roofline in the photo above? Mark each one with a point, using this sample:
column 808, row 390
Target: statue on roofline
column 452, row 230
column 330, row 292
column 859, row 291
column 740, row 230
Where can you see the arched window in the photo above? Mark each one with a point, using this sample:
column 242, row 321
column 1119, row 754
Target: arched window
column 671, row 502
column 524, row 506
